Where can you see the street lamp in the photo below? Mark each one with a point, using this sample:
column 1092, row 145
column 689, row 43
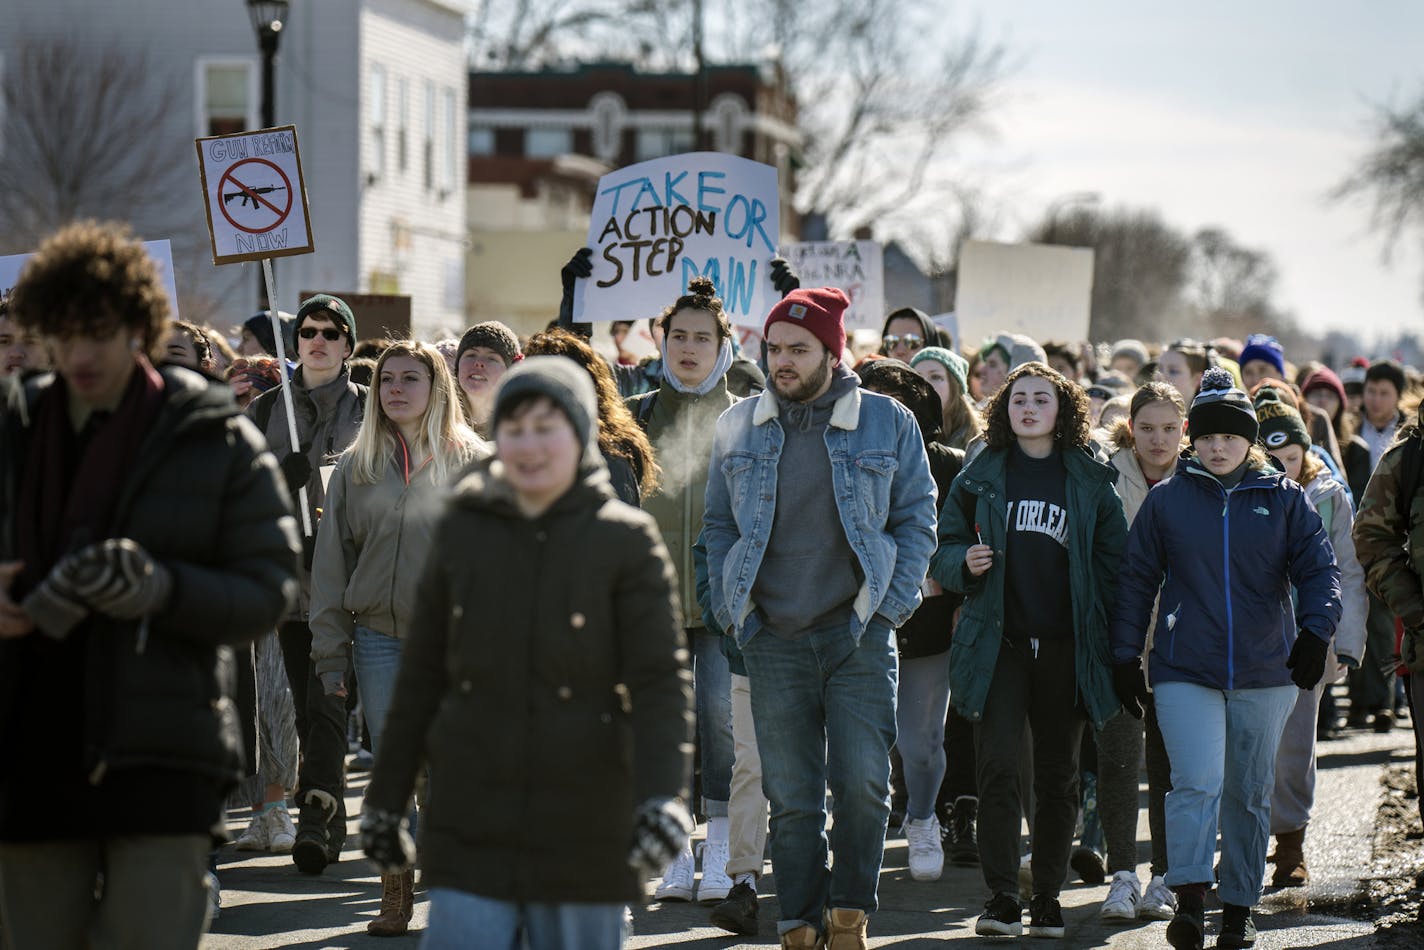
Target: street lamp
column 267, row 19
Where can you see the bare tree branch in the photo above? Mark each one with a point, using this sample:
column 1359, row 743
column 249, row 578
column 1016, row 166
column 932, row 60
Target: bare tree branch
column 79, row 141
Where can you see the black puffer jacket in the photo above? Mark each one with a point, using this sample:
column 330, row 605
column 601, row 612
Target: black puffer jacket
column 114, row 702
column 931, row 626
column 546, row 681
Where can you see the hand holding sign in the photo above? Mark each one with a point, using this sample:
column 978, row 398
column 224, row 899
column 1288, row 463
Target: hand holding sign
column 658, row 224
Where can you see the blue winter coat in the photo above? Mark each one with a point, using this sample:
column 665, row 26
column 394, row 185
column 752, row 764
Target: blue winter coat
column 1225, row 562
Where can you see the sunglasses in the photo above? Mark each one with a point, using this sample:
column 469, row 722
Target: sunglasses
column 912, row 340
column 327, row 333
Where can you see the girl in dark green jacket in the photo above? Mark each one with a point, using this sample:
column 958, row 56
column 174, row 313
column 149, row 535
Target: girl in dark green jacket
column 1031, row 534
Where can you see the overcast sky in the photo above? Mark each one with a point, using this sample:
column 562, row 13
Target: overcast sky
column 1236, row 114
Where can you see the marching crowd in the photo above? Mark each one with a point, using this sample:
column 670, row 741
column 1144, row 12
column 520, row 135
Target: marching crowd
column 950, row 589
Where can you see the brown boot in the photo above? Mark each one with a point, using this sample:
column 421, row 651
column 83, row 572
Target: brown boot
column 802, row 938
column 397, row 905
column 845, row 929
column 1290, row 860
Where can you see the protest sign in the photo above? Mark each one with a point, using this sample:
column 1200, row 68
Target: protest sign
column 658, row 224
column 160, row 251
column 1039, row 290
column 857, row 267
column 254, row 194
column 378, row 314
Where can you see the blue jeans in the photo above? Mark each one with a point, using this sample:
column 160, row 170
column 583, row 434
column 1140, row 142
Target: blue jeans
column 377, row 659
column 712, row 686
column 920, row 711
column 824, row 709
column 1222, row 746
column 459, row 919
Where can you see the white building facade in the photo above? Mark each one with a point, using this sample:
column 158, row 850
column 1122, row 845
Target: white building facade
column 377, row 92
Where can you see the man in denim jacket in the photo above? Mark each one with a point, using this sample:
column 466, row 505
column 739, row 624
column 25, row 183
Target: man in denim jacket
column 819, row 526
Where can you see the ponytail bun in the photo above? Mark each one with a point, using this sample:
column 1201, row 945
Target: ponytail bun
column 702, row 287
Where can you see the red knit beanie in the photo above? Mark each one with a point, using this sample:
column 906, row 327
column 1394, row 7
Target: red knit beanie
column 820, row 310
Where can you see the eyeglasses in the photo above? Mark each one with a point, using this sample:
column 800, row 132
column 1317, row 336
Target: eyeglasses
column 327, row 333
column 912, row 341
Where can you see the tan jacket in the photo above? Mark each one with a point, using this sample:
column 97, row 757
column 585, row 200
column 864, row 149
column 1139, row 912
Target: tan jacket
column 370, row 548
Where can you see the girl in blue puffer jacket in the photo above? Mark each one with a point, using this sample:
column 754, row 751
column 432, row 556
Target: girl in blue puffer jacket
column 1224, row 541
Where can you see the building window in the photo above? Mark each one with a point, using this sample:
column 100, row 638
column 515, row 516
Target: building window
column 427, row 149
column 227, row 96
column 481, row 140
column 402, row 123
column 548, row 143
column 659, row 143
column 376, row 115
column 450, row 141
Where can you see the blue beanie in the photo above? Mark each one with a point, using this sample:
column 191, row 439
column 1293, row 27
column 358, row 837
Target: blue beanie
column 956, row 365
column 1260, row 346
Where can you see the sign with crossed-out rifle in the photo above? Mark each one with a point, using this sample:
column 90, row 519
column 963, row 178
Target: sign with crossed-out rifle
column 254, row 194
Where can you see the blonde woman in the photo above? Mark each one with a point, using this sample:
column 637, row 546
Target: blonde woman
column 948, row 373
column 381, row 507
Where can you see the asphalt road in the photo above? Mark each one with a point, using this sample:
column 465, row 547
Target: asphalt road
column 268, row 903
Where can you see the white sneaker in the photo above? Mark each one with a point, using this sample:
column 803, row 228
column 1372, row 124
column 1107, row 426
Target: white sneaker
column 255, row 837
column 926, row 851
column 1124, row 894
column 1158, row 903
column 715, row 884
column 1026, row 877
column 281, row 834
column 677, row 882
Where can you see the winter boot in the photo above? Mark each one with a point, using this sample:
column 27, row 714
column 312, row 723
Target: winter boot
column 963, row 845
column 845, row 929
column 1238, row 930
column 1188, row 927
column 397, row 905
column 1290, row 860
column 802, row 938
column 309, row 852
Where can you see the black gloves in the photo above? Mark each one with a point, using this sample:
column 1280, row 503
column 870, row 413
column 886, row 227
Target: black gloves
column 1307, row 659
column 297, row 469
column 783, row 278
column 661, row 827
column 1131, row 687
column 385, row 840
column 580, row 265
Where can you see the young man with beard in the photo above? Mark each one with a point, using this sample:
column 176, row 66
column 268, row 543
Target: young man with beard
column 819, row 526
column 328, row 410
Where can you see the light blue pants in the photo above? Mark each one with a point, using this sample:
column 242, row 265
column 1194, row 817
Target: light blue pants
column 459, row 920
column 920, row 710
column 1222, row 745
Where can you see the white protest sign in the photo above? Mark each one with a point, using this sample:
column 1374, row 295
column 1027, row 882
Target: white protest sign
column 1042, row 291
column 857, row 267
column 161, row 252
column 254, row 195
column 948, row 322
column 658, row 224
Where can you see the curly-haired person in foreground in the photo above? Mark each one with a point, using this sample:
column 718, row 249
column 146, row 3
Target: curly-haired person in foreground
column 122, row 591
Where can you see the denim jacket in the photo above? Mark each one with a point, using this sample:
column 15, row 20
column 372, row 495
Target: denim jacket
column 883, row 490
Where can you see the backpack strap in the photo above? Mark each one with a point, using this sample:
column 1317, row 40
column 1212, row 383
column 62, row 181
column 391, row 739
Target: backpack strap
column 646, row 402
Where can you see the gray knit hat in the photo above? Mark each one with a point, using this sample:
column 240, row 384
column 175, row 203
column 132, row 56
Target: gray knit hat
column 557, row 378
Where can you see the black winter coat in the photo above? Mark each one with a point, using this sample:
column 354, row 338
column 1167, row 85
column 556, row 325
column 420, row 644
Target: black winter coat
column 119, row 705
column 546, row 682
